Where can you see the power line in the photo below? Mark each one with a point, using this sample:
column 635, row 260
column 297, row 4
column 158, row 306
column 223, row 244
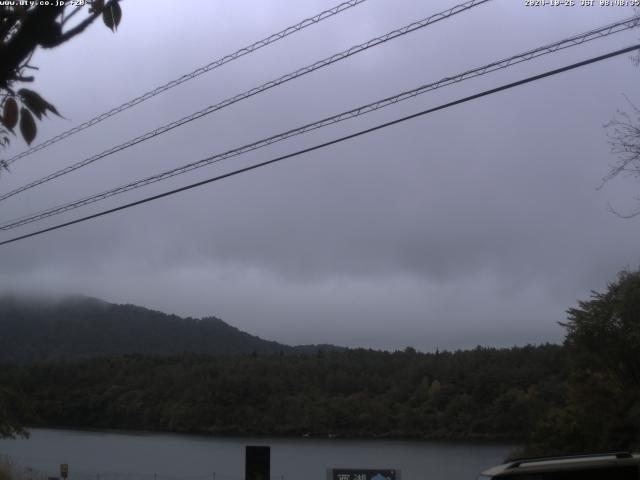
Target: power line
column 331, row 142
column 196, row 73
column 362, row 110
column 256, row 90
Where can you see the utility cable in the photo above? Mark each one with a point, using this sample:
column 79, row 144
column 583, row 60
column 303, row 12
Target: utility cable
column 254, row 91
column 331, row 142
column 196, row 73
column 362, row 110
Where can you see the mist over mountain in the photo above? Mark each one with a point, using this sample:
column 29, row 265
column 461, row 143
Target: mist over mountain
column 42, row 328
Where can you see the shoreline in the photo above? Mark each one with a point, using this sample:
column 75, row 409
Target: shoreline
column 484, row 439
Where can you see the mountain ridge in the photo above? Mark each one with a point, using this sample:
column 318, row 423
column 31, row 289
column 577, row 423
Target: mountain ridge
column 43, row 328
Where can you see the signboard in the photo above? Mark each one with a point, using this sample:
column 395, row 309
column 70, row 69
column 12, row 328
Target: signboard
column 363, row 474
column 257, row 463
column 64, row 470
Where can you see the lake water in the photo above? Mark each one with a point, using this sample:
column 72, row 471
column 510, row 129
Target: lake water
column 151, row 456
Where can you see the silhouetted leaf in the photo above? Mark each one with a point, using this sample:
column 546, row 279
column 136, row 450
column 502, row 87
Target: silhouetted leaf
column 112, row 15
column 36, row 103
column 27, row 125
column 96, row 6
column 10, row 114
column 20, row 11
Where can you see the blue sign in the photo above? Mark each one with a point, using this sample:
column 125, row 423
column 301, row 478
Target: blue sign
column 363, row 474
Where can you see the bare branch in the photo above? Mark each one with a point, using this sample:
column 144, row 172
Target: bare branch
column 624, row 139
column 626, row 216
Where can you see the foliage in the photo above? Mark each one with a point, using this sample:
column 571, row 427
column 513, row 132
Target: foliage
column 476, row 394
column 602, row 409
column 24, row 28
column 604, row 332
column 5, row 473
column 9, row 470
column 578, row 397
column 14, row 414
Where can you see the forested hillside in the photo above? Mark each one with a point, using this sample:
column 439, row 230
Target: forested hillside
column 482, row 393
column 579, row 397
column 40, row 329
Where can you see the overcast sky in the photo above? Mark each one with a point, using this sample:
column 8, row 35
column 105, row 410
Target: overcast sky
column 477, row 225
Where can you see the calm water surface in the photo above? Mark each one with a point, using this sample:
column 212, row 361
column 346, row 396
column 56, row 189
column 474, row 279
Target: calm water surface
column 151, row 456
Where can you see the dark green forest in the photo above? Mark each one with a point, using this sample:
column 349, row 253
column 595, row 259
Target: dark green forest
column 581, row 396
column 482, row 393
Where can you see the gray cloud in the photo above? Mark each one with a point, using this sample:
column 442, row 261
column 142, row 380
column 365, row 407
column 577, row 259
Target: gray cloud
column 480, row 224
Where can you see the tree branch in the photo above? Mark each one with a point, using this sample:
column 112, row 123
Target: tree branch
column 68, row 35
column 20, row 78
column 627, row 216
column 9, row 21
column 37, row 28
column 68, row 17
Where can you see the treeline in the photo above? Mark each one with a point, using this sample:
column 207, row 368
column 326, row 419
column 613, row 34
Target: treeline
column 579, row 397
column 483, row 393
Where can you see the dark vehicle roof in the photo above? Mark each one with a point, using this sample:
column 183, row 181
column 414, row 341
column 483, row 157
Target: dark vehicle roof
column 546, row 465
